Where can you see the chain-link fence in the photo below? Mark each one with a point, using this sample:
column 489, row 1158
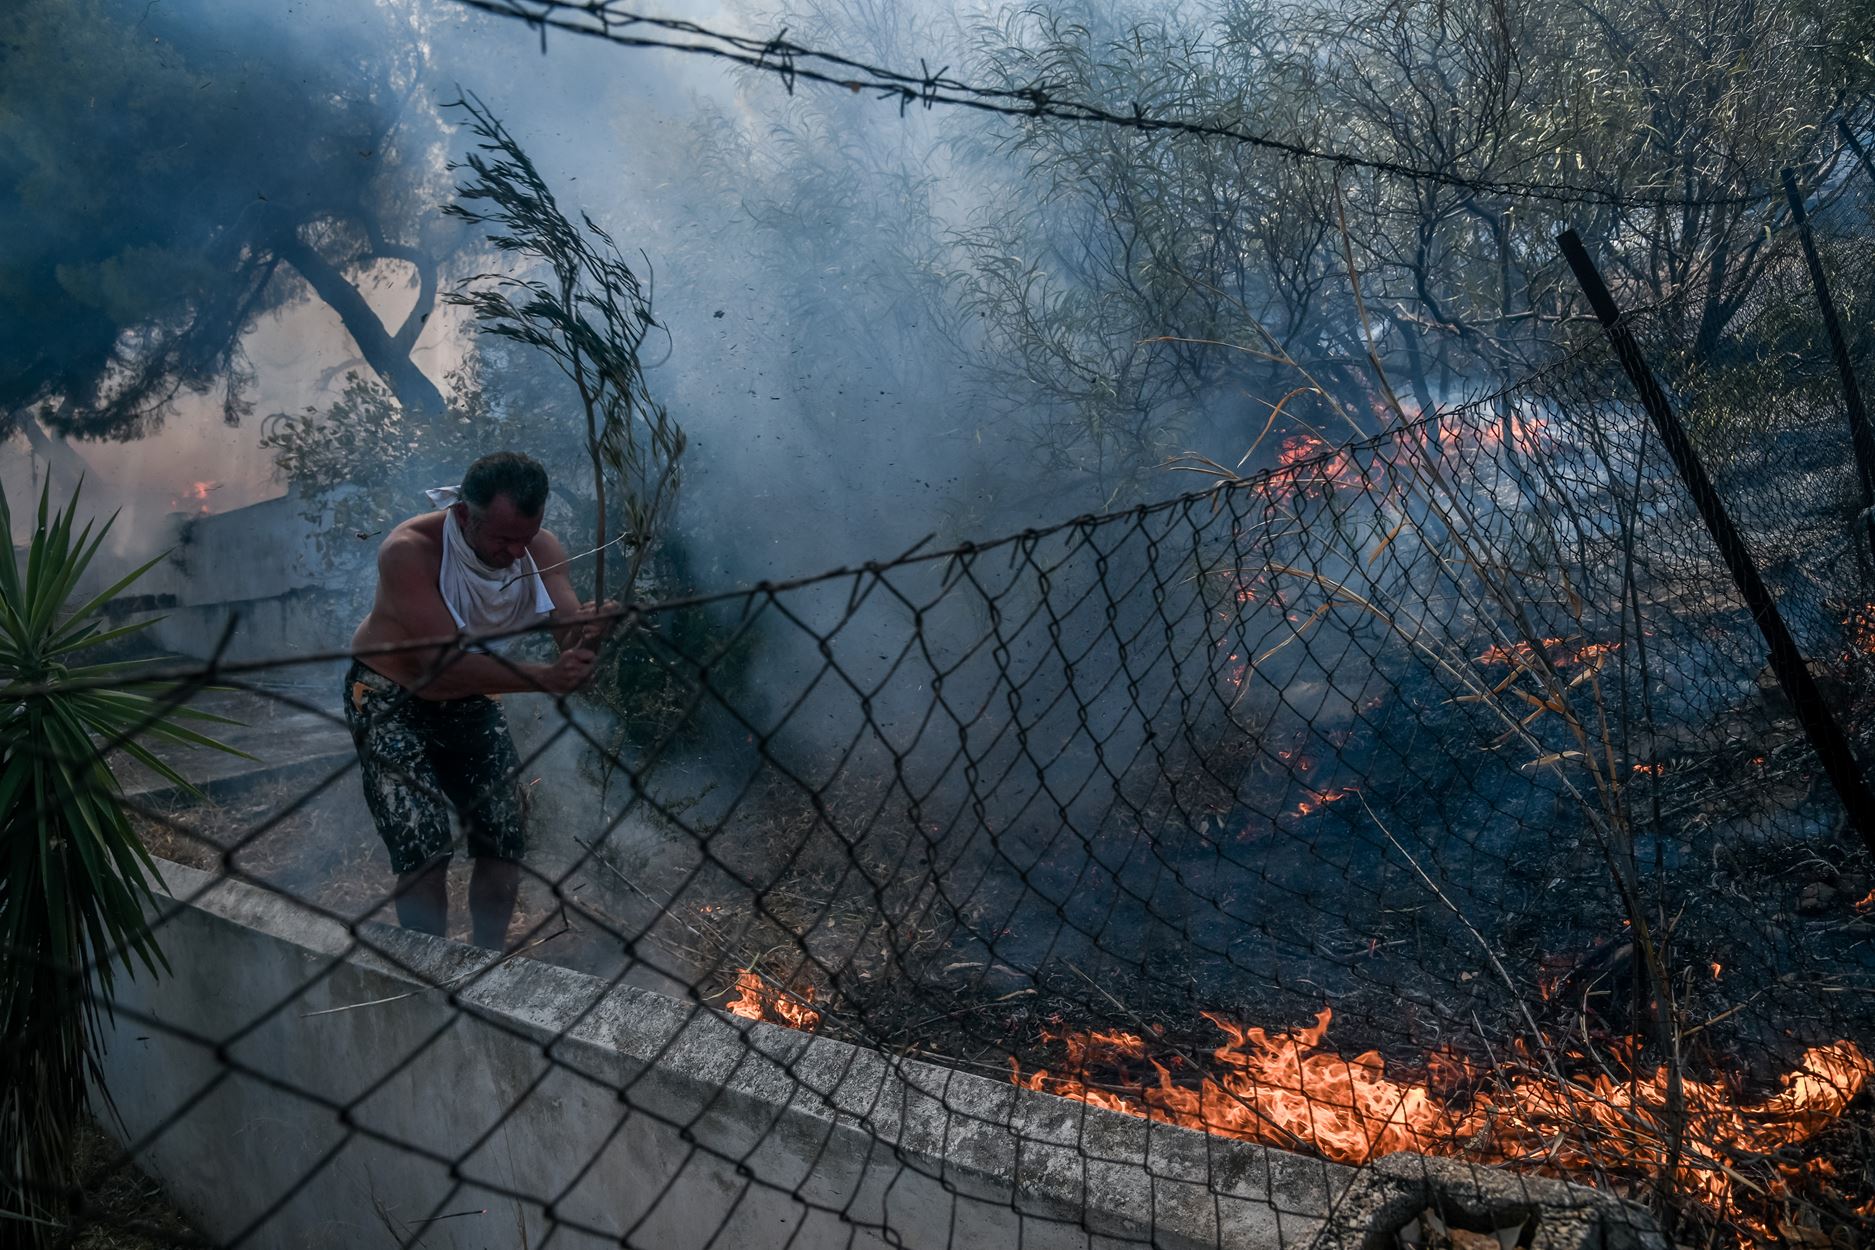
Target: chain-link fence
column 1343, row 855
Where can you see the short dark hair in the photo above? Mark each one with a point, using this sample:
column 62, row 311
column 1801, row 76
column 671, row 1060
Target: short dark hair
column 508, row 473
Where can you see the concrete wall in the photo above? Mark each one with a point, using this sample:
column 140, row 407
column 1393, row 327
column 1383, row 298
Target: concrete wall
column 302, row 622
column 259, row 566
column 293, row 1086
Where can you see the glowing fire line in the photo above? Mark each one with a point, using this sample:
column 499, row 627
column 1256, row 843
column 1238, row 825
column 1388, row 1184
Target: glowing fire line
column 1283, row 1090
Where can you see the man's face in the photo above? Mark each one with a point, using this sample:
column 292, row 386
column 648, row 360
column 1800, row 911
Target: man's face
column 498, row 534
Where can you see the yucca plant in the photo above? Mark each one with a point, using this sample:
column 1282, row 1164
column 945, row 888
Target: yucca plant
column 73, row 875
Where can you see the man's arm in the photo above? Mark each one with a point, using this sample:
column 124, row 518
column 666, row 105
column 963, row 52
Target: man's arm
column 571, row 617
column 407, row 591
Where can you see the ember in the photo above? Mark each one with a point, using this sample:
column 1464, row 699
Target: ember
column 1233, row 667
column 1562, row 652
column 1320, row 799
column 758, row 1000
column 1861, row 626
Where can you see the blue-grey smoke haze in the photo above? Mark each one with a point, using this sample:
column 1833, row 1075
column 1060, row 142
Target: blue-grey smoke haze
column 810, row 445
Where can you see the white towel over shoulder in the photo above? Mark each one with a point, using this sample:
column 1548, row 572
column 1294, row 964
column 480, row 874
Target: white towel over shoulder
column 481, row 599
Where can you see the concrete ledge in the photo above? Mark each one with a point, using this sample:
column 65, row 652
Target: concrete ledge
column 298, row 1084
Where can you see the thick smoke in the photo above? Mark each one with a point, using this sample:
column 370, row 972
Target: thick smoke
column 829, row 421
column 832, row 383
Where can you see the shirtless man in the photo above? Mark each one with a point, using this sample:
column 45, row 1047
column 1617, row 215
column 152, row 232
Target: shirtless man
column 430, row 738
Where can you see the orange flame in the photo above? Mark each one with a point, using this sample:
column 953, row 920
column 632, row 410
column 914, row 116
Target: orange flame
column 1284, row 1089
column 1295, row 475
column 1530, row 435
column 1322, row 798
column 1280, row 1089
column 195, row 497
column 758, row 1000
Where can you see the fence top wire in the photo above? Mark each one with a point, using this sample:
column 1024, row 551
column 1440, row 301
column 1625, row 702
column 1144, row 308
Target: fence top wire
column 615, row 23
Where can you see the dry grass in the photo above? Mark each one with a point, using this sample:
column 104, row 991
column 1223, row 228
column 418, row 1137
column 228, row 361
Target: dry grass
column 122, row 1209
column 319, row 851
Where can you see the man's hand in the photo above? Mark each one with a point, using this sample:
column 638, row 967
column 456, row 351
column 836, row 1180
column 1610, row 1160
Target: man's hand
column 592, row 632
column 568, row 673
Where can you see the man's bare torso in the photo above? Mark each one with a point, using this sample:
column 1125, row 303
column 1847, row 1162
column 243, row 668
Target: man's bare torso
column 409, row 604
column 423, row 536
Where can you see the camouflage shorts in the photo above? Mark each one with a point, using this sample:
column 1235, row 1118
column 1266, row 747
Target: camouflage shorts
column 423, row 759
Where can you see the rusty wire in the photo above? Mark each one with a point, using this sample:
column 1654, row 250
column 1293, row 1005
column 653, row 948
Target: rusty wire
column 623, row 25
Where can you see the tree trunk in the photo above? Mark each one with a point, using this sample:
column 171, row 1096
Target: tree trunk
column 389, row 359
column 425, row 265
column 60, row 456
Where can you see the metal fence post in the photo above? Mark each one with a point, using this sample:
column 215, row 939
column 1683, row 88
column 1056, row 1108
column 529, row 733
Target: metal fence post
column 1851, row 390
column 1787, row 662
column 1855, row 145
